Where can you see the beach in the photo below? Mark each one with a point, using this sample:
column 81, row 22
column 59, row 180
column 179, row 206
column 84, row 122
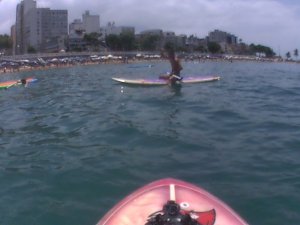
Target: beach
column 46, row 62
column 24, row 63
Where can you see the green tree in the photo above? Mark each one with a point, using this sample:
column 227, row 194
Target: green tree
column 181, row 49
column 5, row 42
column 149, row 43
column 31, row 50
column 296, row 53
column 113, row 41
column 92, row 40
column 288, row 55
column 201, row 49
column 214, row 47
column 262, row 49
column 169, row 46
column 127, row 41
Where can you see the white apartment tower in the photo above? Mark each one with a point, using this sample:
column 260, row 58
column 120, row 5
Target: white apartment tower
column 88, row 24
column 39, row 28
column 23, row 23
column 91, row 23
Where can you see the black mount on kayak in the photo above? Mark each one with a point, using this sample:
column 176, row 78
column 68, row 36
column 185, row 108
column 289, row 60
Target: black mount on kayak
column 171, row 215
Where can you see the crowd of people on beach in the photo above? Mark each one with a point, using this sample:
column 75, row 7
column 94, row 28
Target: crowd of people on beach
column 44, row 63
column 11, row 65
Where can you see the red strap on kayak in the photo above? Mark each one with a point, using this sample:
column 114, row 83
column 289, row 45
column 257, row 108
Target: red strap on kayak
column 203, row 218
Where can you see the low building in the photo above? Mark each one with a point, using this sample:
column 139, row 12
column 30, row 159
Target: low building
column 154, row 32
column 226, row 40
column 111, row 28
column 79, row 28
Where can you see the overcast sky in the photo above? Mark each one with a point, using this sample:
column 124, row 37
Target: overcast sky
column 274, row 23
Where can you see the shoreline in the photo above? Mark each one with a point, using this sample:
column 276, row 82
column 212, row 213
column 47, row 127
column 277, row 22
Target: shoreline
column 26, row 68
column 72, row 61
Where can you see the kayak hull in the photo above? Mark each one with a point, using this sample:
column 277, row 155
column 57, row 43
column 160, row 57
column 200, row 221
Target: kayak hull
column 159, row 82
column 135, row 208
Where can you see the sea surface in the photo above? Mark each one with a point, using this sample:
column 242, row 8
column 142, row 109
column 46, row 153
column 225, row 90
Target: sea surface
column 75, row 143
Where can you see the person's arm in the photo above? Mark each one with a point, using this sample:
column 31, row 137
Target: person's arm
column 180, row 66
column 173, row 65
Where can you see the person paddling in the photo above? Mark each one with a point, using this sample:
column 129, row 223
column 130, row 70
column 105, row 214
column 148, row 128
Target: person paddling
column 176, row 67
column 23, row 82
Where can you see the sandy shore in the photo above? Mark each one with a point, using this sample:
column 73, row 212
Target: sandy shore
column 7, row 70
column 90, row 61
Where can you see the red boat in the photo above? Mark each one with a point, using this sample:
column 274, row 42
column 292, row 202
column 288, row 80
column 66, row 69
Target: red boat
column 172, row 202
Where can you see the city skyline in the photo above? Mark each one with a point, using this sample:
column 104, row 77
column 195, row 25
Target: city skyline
column 269, row 22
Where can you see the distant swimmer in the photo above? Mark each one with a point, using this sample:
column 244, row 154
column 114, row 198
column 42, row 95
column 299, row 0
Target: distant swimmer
column 23, row 82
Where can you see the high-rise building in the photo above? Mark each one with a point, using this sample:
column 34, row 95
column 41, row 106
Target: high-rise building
column 76, row 36
column 225, row 40
column 222, row 37
column 38, row 28
column 88, row 24
column 78, row 28
column 91, row 23
column 52, row 29
column 13, row 38
column 23, row 8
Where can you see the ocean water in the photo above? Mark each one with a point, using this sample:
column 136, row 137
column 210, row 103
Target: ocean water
column 75, row 143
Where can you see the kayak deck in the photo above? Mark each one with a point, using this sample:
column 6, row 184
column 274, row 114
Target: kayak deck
column 135, row 208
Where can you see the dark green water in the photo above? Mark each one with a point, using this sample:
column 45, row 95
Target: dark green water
column 75, row 143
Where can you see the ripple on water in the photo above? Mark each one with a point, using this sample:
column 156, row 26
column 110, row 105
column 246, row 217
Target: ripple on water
column 75, row 143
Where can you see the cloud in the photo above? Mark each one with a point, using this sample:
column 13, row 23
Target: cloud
column 269, row 22
column 7, row 15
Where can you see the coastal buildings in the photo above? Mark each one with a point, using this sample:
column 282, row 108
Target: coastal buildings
column 157, row 38
column 79, row 27
column 111, row 28
column 13, row 38
column 226, row 40
column 46, row 30
column 76, row 35
column 23, row 10
column 91, row 23
column 39, row 29
column 52, row 29
column 88, row 24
